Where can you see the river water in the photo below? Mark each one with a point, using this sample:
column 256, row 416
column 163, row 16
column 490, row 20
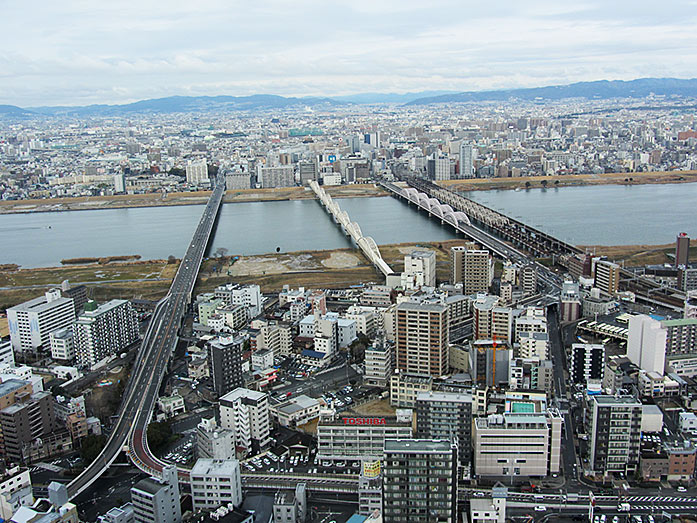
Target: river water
column 596, row 215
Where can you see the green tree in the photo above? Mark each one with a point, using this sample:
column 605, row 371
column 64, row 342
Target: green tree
column 92, row 445
column 159, row 434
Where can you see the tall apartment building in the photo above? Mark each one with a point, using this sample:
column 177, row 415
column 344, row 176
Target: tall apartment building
column 446, row 416
column 248, row 296
column 29, row 418
column 215, row 483
column 78, row 293
column 682, row 250
column 157, row 500
column 528, row 279
column 379, row 364
column 307, row 172
column 491, row 321
column 466, row 160
column 517, row 444
column 32, row 322
column 438, row 167
column 687, row 279
column 276, row 176
column 196, row 171
column 105, row 330
column 273, row 335
column 237, row 180
column 472, row 267
column 246, row 412
column 419, row 269
column 587, row 362
column 225, row 363
column 614, row 428
column 419, row 481
column 646, row 343
column 422, row 338
column 63, row 344
column 607, row 276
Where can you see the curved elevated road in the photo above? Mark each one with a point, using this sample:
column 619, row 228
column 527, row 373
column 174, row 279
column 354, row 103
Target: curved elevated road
column 149, row 368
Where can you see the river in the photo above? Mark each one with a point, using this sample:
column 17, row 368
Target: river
column 593, row 215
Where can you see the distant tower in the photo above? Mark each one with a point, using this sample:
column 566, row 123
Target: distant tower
column 682, row 249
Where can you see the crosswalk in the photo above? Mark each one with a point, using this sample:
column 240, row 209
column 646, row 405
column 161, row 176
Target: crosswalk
column 663, row 499
column 659, row 508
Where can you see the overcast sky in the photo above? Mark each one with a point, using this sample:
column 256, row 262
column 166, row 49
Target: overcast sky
column 77, row 52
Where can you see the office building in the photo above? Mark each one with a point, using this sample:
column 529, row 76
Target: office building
column 225, row 363
column 613, row 424
column 32, row 322
column 587, row 362
column 63, row 344
column 215, row 483
column 422, row 338
column 350, row 438
column 419, row 270
column 517, row 443
column 246, row 412
column 214, row 441
column 419, row 481
column 466, row 160
column 607, row 276
column 276, row 176
column 102, row 331
column 157, row 500
column 197, row 172
column 446, row 416
column 682, row 250
column 474, row 268
column 29, row 418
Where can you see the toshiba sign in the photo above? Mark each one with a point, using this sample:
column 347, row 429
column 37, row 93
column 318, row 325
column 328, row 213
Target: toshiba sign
column 364, row 421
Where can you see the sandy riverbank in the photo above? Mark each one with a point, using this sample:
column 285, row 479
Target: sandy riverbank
column 571, row 180
column 182, row 198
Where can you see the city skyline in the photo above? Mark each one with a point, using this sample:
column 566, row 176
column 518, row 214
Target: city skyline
column 78, row 54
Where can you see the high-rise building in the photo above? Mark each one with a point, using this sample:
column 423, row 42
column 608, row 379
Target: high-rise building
column 246, row 412
column 528, row 279
column 157, row 500
column 225, row 363
column 613, row 424
column 31, row 417
column 196, row 171
column 570, row 299
column 446, row 416
column 276, row 176
column 646, row 343
column 379, row 364
column 419, row 270
column 682, row 250
column 105, row 330
column 419, row 481
column 422, row 338
column 607, row 276
column 471, row 267
column 119, row 183
column 32, row 322
column 687, row 279
column 438, row 167
column 307, row 171
column 213, row 441
column 466, row 160
column 587, row 362
column 215, row 483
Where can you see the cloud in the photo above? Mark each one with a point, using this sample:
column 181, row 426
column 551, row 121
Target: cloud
column 79, row 52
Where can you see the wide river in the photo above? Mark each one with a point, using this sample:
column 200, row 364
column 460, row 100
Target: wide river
column 601, row 215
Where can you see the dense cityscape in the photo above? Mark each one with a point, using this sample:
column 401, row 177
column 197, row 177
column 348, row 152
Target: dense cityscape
column 443, row 272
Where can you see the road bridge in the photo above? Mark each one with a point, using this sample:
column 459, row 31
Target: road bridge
column 129, row 432
column 352, row 229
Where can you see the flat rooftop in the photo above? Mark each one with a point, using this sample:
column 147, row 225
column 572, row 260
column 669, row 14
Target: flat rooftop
column 417, row 446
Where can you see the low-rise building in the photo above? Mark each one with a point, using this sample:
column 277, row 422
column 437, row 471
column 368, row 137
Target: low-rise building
column 296, row 411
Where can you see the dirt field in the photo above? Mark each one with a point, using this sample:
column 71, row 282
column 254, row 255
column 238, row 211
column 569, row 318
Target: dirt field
column 636, row 255
column 484, row 184
column 380, row 407
column 182, row 198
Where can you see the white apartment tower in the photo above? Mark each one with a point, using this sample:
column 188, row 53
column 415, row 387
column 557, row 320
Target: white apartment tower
column 32, row 322
column 246, row 412
column 196, row 171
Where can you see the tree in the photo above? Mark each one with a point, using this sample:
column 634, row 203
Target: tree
column 92, row 445
column 171, row 260
column 527, row 185
column 221, row 252
column 544, row 183
column 159, row 434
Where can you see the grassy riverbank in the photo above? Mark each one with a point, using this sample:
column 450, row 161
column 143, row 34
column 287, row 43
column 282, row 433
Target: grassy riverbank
column 182, row 198
column 571, row 180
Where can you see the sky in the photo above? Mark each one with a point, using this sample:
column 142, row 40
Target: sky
column 79, row 52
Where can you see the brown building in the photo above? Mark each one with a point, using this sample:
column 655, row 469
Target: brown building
column 422, row 338
column 682, row 249
column 10, row 389
column 76, row 423
column 607, row 276
column 31, row 417
column 681, row 462
column 654, row 466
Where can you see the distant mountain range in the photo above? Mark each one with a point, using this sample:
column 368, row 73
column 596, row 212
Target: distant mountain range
column 600, row 90
column 186, row 104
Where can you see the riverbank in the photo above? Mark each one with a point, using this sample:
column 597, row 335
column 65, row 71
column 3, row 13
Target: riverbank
column 182, row 198
column 639, row 255
column 570, row 180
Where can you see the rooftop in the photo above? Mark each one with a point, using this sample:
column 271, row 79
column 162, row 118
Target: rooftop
column 417, row 446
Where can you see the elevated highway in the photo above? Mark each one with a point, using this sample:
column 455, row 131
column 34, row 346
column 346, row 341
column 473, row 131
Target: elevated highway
column 365, row 243
column 159, row 342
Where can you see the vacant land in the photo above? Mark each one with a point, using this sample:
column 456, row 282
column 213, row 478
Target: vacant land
column 483, row 184
column 379, row 407
column 637, row 255
column 182, row 198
